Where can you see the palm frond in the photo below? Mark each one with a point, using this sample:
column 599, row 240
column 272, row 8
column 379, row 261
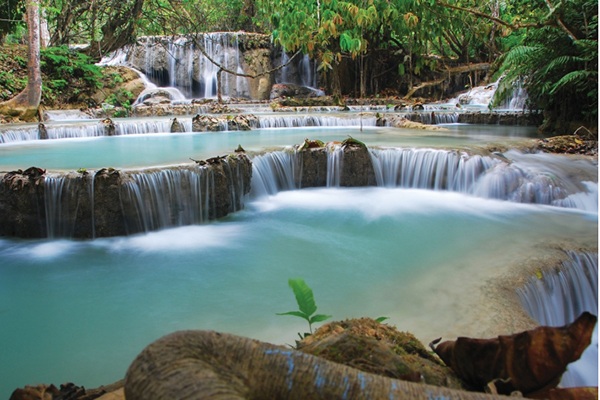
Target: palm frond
column 578, row 79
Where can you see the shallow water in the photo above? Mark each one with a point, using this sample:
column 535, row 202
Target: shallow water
column 81, row 310
column 165, row 148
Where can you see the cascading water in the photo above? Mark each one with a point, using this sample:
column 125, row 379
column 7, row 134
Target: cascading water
column 313, row 120
column 274, row 172
column 558, row 298
column 308, row 72
column 481, row 176
column 428, row 169
column 55, row 221
column 518, row 181
column 19, row 135
column 335, row 159
column 169, row 198
column 481, row 97
column 178, row 66
column 436, row 118
column 149, row 126
column 141, row 201
column 301, row 71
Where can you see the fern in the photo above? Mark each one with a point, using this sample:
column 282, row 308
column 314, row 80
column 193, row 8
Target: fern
column 577, row 79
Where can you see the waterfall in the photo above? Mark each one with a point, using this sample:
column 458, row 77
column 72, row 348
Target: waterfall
column 68, row 205
column 285, row 71
column 432, row 169
column 558, row 298
column 290, row 121
column 282, row 170
column 177, row 64
column 86, row 130
column 435, row 118
column 55, row 226
column 274, row 172
column 54, row 132
column 308, row 72
column 301, row 71
column 335, row 158
column 114, row 203
column 587, row 201
column 19, row 135
column 521, row 181
column 167, row 198
column 144, row 126
column 428, row 169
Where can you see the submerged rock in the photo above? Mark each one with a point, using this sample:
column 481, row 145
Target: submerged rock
column 43, row 131
column 176, row 126
column 109, row 127
column 204, row 123
column 402, row 122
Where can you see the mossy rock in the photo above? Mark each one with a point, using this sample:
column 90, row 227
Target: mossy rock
column 351, row 142
column 378, row 348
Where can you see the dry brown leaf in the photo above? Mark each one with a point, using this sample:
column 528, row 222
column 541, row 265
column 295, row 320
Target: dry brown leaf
column 533, row 360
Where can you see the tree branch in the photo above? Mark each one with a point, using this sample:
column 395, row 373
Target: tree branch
column 450, row 72
column 560, row 22
column 489, row 17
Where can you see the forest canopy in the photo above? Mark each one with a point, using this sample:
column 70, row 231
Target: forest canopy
column 547, row 46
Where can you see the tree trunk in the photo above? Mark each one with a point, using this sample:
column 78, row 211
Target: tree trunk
column 26, row 104
column 197, row 365
column 334, row 80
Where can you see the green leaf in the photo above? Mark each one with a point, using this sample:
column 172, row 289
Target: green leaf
column 304, row 296
column 319, row 318
column 295, row 313
column 381, row 319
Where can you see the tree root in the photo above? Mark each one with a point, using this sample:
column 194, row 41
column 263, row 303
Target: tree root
column 212, row 365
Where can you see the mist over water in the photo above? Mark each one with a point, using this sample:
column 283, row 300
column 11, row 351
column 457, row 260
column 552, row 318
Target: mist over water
column 81, row 310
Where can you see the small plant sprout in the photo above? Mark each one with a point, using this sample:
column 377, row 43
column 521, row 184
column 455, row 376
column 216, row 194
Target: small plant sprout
column 306, row 304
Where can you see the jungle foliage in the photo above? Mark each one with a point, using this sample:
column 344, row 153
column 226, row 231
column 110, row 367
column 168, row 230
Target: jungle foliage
column 367, row 46
column 558, row 64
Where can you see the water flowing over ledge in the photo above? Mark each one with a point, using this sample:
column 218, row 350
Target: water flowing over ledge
column 512, row 179
column 161, row 122
column 558, row 297
column 111, row 203
column 114, row 203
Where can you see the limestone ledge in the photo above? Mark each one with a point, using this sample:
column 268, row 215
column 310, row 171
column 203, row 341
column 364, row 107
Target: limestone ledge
column 111, row 202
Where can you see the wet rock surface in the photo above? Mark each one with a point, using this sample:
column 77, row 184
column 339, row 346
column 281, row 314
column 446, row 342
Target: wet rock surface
column 507, row 118
column 176, row 126
column 22, row 212
column 85, row 205
column 205, row 123
column 403, row 122
column 109, row 127
column 356, row 167
column 570, row 144
column 284, row 90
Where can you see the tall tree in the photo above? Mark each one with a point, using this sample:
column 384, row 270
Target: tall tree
column 26, row 104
